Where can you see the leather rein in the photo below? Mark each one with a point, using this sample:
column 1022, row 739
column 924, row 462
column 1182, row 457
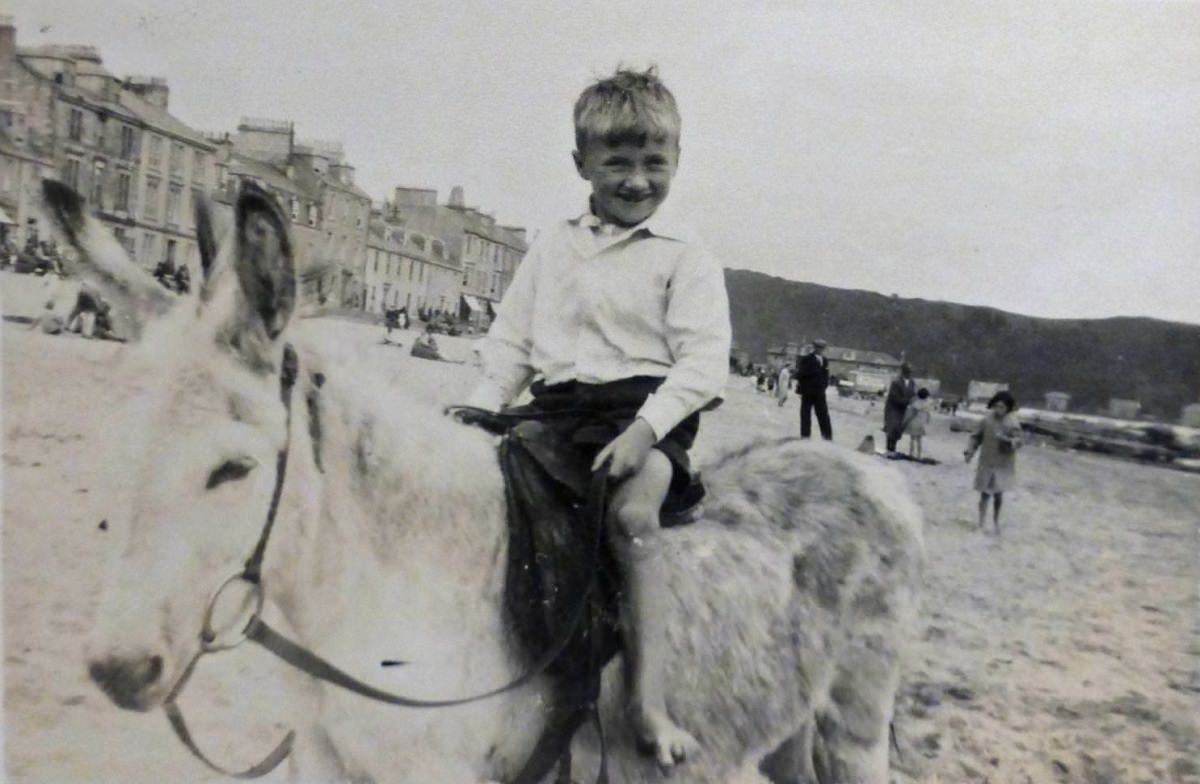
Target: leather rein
column 258, row 631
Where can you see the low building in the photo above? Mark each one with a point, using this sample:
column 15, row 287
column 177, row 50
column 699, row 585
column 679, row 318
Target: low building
column 845, row 361
column 1057, row 401
column 868, row 382
column 787, row 354
column 1122, row 408
column 933, row 385
column 982, row 391
column 1190, row 416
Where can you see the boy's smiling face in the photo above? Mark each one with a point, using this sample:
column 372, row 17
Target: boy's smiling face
column 630, row 177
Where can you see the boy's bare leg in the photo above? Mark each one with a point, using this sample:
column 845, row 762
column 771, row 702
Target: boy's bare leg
column 637, row 543
column 983, row 505
column 998, row 500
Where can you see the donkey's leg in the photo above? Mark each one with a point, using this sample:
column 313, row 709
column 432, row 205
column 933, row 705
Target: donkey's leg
column 792, row 762
column 853, row 743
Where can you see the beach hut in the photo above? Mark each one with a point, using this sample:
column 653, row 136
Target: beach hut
column 1122, row 408
column 1057, row 401
column 981, row 391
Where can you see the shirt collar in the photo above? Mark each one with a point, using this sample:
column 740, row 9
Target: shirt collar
column 661, row 224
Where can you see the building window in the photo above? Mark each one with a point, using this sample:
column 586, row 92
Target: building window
column 71, row 173
column 174, row 195
column 153, row 150
column 149, row 248
column 98, row 184
column 419, row 241
column 295, row 208
column 127, row 142
column 439, row 249
column 75, row 125
column 123, row 237
column 151, row 208
column 197, row 166
column 123, row 183
column 176, row 158
column 312, row 215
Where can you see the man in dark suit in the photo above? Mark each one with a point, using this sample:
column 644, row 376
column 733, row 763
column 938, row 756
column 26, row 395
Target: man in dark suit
column 812, row 377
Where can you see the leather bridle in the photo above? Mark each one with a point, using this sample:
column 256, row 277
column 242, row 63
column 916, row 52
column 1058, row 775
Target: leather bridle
column 258, row 631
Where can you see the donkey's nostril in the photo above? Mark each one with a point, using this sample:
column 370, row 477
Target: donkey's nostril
column 154, row 670
column 127, row 681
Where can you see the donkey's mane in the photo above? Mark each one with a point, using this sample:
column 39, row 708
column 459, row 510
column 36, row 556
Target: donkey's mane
column 426, row 475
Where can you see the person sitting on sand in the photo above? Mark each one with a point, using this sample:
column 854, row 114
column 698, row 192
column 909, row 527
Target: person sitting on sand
column 82, row 318
column 997, row 438
column 426, row 346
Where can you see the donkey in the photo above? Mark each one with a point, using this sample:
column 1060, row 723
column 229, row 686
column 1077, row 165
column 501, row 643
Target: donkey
column 789, row 600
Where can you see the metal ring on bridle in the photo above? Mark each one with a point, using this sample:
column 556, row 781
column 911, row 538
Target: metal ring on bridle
column 208, row 637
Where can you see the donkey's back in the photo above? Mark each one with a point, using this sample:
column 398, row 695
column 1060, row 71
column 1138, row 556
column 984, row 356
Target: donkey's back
column 790, row 603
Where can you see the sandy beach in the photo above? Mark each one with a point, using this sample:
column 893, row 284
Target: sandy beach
column 1065, row 649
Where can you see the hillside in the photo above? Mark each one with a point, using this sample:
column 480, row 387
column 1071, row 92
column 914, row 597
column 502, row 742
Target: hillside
column 1156, row 362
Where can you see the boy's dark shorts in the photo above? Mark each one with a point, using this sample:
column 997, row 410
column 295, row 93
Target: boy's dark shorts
column 589, row 416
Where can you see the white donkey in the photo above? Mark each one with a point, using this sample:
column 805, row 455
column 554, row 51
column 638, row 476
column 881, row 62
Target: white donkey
column 788, row 600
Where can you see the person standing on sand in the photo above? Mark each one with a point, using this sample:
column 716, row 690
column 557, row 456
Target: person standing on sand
column 997, row 438
column 781, row 385
column 900, row 394
column 916, row 420
column 812, row 379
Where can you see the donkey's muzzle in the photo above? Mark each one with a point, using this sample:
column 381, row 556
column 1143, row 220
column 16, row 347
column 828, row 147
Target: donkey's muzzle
column 128, row 682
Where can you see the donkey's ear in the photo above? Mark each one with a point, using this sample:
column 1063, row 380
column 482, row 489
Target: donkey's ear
column 205, row 236
column 135, row 295
column 266, row 270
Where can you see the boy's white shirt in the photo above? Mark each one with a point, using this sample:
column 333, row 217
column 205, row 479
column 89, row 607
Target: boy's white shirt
column 600, row 305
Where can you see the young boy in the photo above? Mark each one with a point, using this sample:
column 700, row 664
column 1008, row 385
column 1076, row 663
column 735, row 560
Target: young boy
column 916, row 421
column 613, row 306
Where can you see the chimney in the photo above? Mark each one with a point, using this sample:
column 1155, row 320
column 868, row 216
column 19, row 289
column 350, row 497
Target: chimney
column 8, row 38
column 152, row 89
column 456, row 197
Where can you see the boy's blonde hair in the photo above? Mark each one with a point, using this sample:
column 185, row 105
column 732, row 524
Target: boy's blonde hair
column 627, row 106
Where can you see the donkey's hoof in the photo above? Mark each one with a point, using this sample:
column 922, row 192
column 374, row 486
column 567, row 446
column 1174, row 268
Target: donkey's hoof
column 667, row 744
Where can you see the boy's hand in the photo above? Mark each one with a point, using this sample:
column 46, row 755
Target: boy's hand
column 627, row 451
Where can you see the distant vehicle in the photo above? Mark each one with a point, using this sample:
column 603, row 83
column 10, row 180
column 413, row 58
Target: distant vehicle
column 865, row 384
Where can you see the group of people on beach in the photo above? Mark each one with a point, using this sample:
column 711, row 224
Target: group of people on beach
column 907, row 411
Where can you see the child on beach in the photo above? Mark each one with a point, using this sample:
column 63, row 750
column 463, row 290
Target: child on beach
column 622, row 310
column 997, row 438
column 916, row 420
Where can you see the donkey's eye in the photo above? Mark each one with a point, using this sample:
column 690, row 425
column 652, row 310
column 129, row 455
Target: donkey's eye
column 235, row 468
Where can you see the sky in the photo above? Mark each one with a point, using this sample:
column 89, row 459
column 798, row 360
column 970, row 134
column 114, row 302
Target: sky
column 1035, row 157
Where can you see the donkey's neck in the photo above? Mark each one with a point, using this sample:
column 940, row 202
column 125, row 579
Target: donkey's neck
column 409, row 515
